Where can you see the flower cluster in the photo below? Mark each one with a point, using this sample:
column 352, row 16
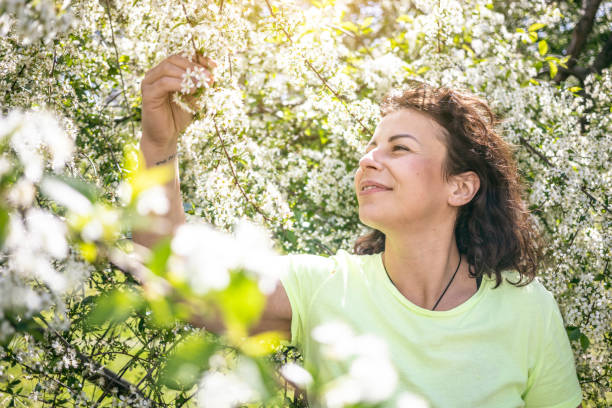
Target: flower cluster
column 35, row 20
column 35, row 238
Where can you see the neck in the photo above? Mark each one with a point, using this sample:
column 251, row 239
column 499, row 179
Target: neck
column 422, row 262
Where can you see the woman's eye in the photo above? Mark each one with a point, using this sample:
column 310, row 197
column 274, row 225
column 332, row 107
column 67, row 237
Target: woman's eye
column 400, row 147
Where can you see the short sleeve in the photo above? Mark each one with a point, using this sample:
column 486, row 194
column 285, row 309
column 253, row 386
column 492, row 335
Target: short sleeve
column 552, row 382
column 304, row 275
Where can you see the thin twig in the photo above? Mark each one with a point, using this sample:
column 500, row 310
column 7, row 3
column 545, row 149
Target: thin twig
column 111, row 379
column 127, row 103
column 545, row 159
column 51, row 74
column 192, row 24
column 318, row 74
column 18, row 75
column 32, row 370
column 112, row 152
column 93, row 165
column 535, row 151
column 355, row 36
column 229, row 160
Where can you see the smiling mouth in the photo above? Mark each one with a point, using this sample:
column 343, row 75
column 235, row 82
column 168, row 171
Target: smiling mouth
column 372, row 188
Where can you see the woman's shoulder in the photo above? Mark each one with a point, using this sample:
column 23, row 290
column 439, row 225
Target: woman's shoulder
column 318, row 267
column 340, row 258
column 527, row 294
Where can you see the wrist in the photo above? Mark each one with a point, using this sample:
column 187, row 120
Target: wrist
column 157, row 154
column 168, row 159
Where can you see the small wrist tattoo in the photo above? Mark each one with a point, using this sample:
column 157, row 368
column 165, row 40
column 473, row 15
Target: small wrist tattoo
column 167, row 159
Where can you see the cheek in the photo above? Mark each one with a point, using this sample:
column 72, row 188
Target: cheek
column 422, row 177
column 357, row 178
column 423, row 170
column 430, row 173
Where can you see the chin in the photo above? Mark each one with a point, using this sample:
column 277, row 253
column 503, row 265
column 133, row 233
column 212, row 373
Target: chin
column 371, row 220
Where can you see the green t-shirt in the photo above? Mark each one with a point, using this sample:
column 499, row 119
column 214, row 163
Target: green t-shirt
column 503, row 347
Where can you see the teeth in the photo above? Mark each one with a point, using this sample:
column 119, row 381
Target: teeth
column 368, row 188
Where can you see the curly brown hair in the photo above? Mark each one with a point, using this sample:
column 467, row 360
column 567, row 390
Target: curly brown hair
column 494, row 231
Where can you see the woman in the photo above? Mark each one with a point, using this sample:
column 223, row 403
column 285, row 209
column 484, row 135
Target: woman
column 447, row 276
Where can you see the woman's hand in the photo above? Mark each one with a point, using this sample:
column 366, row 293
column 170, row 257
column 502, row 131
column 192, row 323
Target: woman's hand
column 162, row 119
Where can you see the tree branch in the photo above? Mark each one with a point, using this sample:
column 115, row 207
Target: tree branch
column 604, row 59
column 111, row 382
column 125, row 97
column 318, row 74
column 546, row 161
column 579, row 37
column 229, row 161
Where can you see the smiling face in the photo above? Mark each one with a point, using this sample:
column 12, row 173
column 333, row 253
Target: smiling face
column 400, row 180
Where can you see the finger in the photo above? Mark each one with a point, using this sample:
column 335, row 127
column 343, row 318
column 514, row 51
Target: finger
column 160, row 89
column 162, row 70
column 205, row 61
column 200, row 60
column 181, row 61
column 169, row 67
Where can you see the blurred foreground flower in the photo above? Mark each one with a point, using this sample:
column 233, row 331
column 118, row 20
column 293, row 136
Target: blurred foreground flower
column 205, row 256
column 371, row 376
column 233, row 388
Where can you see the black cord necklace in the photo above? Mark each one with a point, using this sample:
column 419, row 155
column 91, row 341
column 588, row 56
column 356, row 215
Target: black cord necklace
column 449, row 283
column 447, row 286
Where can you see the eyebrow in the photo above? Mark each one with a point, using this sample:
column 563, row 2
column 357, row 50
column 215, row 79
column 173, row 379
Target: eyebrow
column 394, row 137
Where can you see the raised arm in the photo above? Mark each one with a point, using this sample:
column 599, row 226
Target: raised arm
column 162, row 123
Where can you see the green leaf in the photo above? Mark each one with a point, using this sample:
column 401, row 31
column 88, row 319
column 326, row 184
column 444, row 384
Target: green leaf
column 88, row 190
column 533, row 36
column 422, row 70
column 553, row 69
column 159, row 256
column 543, row 47
column 573, row 332
column 4, row 223
column 404, row 18
column 468, row 49
column 161, row 312
column 241, row 303
column 350, row 26
column 366, row 22
column 268, row 376
column 536, row 27
column 190, row 359
column 584, row 342
column 115, row 307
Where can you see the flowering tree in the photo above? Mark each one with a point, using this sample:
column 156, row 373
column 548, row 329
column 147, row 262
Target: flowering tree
column 86, row 318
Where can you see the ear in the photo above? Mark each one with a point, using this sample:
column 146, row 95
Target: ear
column 463, row 187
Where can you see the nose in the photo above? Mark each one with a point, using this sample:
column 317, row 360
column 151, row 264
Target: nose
column 370, row 160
